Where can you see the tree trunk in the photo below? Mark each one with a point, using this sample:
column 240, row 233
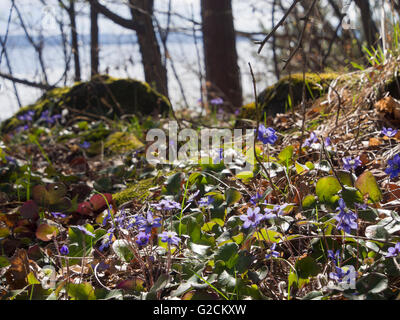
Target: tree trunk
column 370, row 29
column 222, row 70
column 94, row 41
column 74, row 40
column 155, row 72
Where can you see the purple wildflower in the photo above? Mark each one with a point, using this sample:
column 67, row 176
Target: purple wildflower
column 347, row 219
column 277, row 210
column 206, row 201
column 256, row 198
column 28, row 116
column 393, row 251
column 85, row 145
column 252, row 218
column 310, row 140
column 166, row 205
column 217, row 101
column 266, row 135
column 193, row 196
column 394, row 166
column 150, row 222
column 339, row 274
column 328, row 141
column 334, row 256
column 142, row 238
column 389, row 132
column 169, row 237
column 349, row 163
column 64, row 250
column 271, row 252
column 58, row 215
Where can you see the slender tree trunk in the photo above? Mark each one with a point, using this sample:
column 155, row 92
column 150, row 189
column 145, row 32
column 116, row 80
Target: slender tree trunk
column 74, row 39
column 222, row 70
column 370, row 29
column 94, row 41
column 155, row 72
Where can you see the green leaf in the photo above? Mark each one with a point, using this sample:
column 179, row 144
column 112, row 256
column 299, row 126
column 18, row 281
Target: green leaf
column 309, row 201
column 286, row 156
column 4, row 262
column 367, row 184
column 173, row 184
column 300, row 168
column 232, row 196
column 160, row 284
column 372, row 283
column 245, row 175
column 345, row 178
column 306, row 267
column 351, row 195
column 327, row 189
column 268, row 235
column 122, row 249
column 32, row 279
column 377, row 232
column 228, row 253
column 4, row 232
column 46, row 232
column 82, row 291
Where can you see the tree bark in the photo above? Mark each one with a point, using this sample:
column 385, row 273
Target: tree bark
column 155, row 72
column 370, row 29
column 94, row 41
column 74, row 40
column 222, row 70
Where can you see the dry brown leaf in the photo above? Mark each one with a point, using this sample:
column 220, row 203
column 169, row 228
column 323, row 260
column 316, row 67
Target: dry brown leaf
column 373, row 142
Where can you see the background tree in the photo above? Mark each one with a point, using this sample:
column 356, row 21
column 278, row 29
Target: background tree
column 142, row 22
column 220, row 55
column 94, row 41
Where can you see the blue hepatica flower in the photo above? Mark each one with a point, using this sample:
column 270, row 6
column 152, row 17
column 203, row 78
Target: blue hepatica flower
column 394, row 166
column 169, row 237
column 252, row 218
column 142, row 238
column 10, row 160
column 328, row 141
column 166, row 205
column 347, row 219
column 389, row 132
column 150, row 222
column 349, row 163
column 85, row 145
column 334, row 256
column 277, row 210
column 64, row 250
column 266, row 135
column 58, row 214
column 256, row 198
column 271, row 252
column 310, row 140
column 393, row 251
column 28, row 116
column 206, row 201
column 339, row 274
column 46, row 117
column 217, row 101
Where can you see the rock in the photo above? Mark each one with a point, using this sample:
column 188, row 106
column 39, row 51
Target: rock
column 101, row 96
column 274, row 99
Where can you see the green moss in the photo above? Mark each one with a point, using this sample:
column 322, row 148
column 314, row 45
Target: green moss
column 136, row 191
column 102, row 95
column 122, row 142
column 274, row 99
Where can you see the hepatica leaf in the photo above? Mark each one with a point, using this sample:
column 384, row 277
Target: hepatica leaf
column 46, row 232
column 51, row 196
column 367, row 185
column 327, row 188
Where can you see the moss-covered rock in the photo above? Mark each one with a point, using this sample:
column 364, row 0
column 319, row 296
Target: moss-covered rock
column 138, row 191
column 275, row 98
column 102, row 95
column 120, row 142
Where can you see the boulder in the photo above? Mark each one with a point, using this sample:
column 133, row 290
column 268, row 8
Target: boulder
column 101, row 96
column 275, row 99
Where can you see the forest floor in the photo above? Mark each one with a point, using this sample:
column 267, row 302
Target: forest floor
column 84, row 217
